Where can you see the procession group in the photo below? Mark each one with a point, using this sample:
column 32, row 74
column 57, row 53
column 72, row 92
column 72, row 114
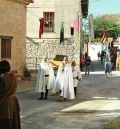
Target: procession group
column 63, row 85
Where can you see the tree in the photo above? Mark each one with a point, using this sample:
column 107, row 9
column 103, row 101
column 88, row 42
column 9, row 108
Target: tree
column 109, row 24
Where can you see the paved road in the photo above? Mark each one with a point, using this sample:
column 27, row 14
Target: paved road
column 46, row 114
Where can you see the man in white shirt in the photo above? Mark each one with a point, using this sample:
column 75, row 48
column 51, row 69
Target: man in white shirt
column 76, row 75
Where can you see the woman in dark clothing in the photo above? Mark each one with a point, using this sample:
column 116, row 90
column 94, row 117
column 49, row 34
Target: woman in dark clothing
column 9, row 106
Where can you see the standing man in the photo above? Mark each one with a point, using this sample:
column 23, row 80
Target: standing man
column 45, row 78
column 9, row 105
column 81, row 62
column 102, row 56
column 99, row 55
column 87, row 65
column 64, row 82
column 76, row 76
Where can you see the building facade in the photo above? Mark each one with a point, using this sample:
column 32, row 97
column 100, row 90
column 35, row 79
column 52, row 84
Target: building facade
column 13, row 32
column 55, row 13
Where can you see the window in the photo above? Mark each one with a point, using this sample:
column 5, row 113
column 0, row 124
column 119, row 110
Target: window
column 48, row 21
column 5, row 48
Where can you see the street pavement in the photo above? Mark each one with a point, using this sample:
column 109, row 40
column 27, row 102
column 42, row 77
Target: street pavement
column 97, row 103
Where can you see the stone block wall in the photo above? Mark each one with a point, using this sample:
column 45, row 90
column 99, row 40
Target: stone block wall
column 37, row 50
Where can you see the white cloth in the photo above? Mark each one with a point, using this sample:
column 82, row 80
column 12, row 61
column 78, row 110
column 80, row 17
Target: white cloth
column 42, row 81
column 64, row 81
column 76, row 73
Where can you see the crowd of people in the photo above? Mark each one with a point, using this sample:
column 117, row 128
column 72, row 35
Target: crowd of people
column 111, row 60
column 63, row 85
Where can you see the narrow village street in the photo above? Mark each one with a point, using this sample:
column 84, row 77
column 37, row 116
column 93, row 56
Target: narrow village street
column 44, row 40
column 97, row 104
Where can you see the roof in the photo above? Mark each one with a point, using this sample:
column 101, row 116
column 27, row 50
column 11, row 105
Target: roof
column 84, row 7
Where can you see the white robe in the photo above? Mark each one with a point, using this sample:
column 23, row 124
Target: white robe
column 42, row 81
column 76, row 73
column 64, row 82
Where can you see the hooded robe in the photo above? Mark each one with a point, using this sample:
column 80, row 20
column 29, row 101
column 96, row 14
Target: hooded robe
column 64, row 81
column 42, row 81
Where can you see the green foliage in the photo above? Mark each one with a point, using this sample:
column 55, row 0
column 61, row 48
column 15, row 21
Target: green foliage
column 106, row 23
column 26, row 72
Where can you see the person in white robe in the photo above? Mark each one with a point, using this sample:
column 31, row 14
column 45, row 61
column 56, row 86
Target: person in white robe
column 64, row 81
column 45, row 78
column 76, row 75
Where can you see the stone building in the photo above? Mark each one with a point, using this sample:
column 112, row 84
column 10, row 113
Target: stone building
column 13, row 32
column 54, row 13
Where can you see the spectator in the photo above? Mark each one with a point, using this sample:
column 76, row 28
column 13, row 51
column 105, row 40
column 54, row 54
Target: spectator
column 108, row 66
column 87, row 65
column 76, row 76
column 9, row 106
column 99, row 55
column 118, row 61
column 82, row 60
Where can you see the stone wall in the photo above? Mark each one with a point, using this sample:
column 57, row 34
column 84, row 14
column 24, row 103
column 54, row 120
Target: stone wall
column 36, row 50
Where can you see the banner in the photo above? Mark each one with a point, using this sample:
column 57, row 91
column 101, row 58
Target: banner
column 41, row 28
column 76, row 25
column 62, row 34
column 104, row 37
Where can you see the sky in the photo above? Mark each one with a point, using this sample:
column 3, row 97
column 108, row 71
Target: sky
column 100, row 7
